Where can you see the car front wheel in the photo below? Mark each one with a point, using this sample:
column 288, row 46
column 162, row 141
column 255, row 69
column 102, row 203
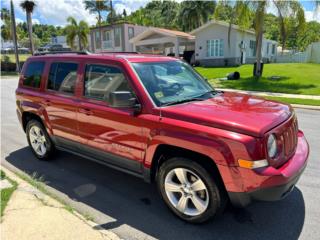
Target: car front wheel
column 189, row 190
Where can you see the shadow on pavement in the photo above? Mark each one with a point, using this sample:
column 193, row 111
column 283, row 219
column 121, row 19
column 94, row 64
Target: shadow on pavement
column 132, row 202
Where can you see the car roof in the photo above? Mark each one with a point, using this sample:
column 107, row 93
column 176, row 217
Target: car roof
column 130, row 57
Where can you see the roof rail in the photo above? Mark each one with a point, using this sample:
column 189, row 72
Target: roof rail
column 61, row 52
column 119, row 52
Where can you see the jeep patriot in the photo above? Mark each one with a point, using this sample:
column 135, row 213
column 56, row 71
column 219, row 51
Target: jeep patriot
column 158, row 119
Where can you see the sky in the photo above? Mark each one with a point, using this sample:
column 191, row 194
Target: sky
column 55, row 12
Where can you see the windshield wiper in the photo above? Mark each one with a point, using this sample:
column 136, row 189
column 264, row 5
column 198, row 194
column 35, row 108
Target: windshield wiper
column 196, row 98
column 181, row 101
column 214, row 92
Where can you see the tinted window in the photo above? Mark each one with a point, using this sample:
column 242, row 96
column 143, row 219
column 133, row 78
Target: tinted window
column 101, row 80
column 32, row 76
column 62, row 77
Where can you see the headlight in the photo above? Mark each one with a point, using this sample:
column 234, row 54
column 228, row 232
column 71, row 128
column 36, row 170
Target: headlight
column 272, row 146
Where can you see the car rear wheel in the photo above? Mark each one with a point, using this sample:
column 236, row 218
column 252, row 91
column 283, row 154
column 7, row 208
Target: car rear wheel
column 39, row 140
column 189, row 190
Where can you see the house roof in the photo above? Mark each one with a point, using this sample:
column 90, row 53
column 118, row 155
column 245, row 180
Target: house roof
column 114, row 24
column 221, row 23
column 163, row 31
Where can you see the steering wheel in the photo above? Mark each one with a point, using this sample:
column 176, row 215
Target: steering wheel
column 177, row 87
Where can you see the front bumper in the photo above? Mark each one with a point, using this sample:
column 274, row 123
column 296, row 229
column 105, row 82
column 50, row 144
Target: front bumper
column 269, row 183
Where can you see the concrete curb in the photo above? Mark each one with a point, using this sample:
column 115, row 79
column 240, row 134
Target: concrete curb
column 272, row 94
column 263, row 94
column 95, row 226
column 309, row 107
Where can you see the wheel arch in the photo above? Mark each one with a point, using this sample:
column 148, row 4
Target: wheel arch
column 27, row 116
column 164, row 152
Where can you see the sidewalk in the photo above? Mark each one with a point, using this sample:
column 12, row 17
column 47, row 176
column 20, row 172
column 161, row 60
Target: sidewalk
column 30, row 214
column 272, row 94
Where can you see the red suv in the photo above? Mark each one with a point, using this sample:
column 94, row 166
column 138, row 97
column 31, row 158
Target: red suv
column 158, row 119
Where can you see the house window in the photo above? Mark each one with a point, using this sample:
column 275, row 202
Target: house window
column 97, row 39
column 131, row 32
column 273, row 48
column 117, row 37
column 106, row 37
column 252, row 48
column 268, row 48
column 215, row 48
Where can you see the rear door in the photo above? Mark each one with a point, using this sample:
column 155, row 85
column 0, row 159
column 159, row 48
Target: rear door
column 61, row 103
column 111, row 134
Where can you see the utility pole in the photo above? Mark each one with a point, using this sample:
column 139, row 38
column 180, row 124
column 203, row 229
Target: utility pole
column 14, row 36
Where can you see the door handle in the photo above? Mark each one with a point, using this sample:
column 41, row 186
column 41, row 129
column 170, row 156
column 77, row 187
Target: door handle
column 86, row 111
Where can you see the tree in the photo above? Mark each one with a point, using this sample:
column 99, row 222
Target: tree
column 289, row 10
column 310, row 35
column 260, row 11
column 14, row 36
column 193, row 14
column 6, row 27
column 28, row 7
column 98, row 7
column 124, row 14
column 223, row 11
column 241, row 10
column 77, row 31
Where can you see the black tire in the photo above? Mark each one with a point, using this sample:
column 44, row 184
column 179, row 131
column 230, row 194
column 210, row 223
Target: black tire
column 216, row 193
column 50, row 149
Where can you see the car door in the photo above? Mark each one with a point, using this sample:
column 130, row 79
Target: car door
column 60, row 101
column 111, row 134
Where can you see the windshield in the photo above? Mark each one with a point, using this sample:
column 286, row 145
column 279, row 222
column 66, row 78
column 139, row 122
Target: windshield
column 172, row 82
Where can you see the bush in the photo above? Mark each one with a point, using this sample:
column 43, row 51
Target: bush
column 7, row 66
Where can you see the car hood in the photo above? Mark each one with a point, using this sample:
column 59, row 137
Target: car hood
column 231, row 111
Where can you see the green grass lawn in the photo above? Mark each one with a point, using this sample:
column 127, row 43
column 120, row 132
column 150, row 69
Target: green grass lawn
column 22, row 57
column 4, row 73
column 7, row 192
column 311, row 102
column 296, row 78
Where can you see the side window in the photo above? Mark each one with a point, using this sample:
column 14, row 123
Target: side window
column 32, row 76
column 62, row 77
column 101, row 80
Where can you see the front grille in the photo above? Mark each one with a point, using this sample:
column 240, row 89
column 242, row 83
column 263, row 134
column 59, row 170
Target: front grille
column 289, row 139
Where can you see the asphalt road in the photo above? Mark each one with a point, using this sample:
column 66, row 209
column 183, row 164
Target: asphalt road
column 133, row 210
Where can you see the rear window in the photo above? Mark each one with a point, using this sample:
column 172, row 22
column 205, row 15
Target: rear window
column 63, row 77
column 32, row 76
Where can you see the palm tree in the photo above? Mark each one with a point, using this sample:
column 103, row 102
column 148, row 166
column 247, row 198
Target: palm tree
column 260, row 7
column 28, row 7
column 242, row 10
column 78, row 31
column 195, row 13
column 97, row 6
column 14, row 36
column 285, row 9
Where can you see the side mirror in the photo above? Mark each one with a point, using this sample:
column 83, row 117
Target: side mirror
column 122, row 99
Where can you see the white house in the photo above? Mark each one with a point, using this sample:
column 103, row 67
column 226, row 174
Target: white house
column 212, row 47
column 115, row 37
column 163, row 41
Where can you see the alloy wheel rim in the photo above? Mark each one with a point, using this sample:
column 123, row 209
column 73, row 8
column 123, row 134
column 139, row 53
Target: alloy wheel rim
column 38, row 140
column 186, row 191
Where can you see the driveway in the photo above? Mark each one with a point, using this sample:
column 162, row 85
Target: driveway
column 133, row 210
